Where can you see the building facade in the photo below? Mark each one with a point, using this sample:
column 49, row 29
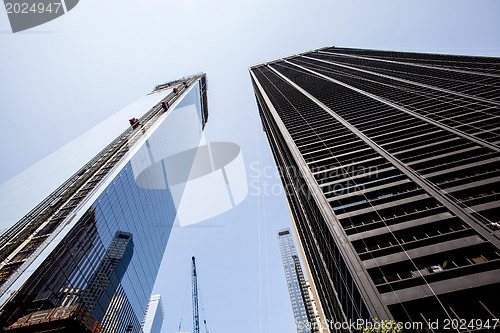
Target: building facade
column 303, row 312
column 390, row 163
column 92, row 249
column 153, row 319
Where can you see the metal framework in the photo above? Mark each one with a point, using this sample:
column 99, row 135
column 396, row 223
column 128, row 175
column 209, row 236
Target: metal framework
column 194, row 281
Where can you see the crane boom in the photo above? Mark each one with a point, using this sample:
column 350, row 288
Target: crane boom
column 196, row 317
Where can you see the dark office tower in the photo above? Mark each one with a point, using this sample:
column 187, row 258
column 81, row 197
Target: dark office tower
column 391, row 166
column 86, row 258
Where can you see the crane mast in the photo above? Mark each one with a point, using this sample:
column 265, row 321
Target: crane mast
column 194, row 280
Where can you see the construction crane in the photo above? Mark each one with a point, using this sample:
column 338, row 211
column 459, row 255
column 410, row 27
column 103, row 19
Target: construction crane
column 194, row 281
column 196, row 317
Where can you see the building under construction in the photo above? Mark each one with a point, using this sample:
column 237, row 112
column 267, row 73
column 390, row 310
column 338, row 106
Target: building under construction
column 85, row 259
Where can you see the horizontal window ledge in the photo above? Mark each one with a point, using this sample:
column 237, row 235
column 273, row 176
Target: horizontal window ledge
column 401, row 226
column 350, row 165
column 401, row 218
column 386, row 187
column 442, row 287
column 409, row 138
column 414, row 244
column 334, row 158
column 486, row 206
column 418, row 147
column 383, row 206
column 362, row 174
column 461, row 167
column 424, row 251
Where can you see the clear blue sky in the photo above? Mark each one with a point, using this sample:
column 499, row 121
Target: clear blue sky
column 62, row 78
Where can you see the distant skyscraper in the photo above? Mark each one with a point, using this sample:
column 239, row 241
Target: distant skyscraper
column 390, row 162
column 106, row 278
column 303, row 311
column 153, row 319
column 92, row 249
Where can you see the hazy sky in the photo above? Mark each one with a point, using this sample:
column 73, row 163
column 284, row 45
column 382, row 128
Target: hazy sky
column 62, row 78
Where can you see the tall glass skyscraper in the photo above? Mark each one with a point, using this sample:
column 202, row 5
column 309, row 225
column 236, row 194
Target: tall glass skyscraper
column 303, row 311
column 390, row 162
column 153, row 319
column 92, row 248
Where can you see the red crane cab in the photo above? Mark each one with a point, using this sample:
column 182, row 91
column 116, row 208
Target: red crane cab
column 134, row 122
column 164, row 105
